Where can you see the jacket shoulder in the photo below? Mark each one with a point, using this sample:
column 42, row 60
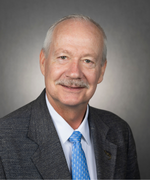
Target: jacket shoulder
column 16, row 117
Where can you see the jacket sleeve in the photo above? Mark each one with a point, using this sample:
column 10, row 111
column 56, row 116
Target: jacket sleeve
column 132, row 164
column 2, row 173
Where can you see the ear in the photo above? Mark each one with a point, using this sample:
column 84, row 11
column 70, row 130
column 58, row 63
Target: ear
column 102, row 72
column 42, row 62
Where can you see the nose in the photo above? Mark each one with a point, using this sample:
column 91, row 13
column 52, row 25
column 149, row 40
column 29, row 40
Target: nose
column 74, row 70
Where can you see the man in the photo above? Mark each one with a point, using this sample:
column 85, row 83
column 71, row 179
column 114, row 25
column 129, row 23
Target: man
column 35, row 141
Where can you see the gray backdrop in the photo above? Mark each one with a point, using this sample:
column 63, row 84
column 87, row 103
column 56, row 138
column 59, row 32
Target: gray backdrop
column 125, row 89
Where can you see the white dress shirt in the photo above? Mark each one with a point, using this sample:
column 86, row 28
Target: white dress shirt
column 64, row 131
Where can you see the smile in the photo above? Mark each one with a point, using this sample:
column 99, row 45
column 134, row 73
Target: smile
column 73, row 87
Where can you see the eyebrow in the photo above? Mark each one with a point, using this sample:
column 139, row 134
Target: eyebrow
column 91, row 54
column 70, row 53
column 62, row 51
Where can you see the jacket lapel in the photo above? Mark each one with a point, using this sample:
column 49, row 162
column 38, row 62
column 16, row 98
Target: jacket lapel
column 49, row 158
column 105, row 151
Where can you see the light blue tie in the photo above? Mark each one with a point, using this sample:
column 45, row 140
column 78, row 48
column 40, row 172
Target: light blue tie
column 79, row 164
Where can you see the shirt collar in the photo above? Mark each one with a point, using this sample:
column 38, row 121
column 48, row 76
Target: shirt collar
column 64, row 130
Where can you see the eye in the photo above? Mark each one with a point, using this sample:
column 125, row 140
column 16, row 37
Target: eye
column 87, row 61
column 63, row 57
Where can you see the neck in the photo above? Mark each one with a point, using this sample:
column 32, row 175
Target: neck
column 73, row 115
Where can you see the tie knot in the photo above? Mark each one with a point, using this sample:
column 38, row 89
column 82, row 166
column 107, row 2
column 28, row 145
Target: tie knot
column 75, row 137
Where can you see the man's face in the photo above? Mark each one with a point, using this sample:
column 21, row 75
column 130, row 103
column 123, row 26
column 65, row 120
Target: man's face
column 73, row 68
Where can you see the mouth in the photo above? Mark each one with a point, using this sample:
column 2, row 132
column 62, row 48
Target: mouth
column 72, row 87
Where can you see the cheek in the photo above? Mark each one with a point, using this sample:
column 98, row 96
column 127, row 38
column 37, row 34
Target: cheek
column 92, row 77
column 53, row 71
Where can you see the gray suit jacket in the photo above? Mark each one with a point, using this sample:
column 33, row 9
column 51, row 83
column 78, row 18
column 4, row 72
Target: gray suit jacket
column 30, row 147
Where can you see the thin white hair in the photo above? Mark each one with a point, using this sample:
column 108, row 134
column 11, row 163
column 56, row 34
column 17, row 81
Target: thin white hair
column 48, row 38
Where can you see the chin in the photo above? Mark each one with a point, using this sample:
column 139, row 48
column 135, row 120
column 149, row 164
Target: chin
column 72, row 103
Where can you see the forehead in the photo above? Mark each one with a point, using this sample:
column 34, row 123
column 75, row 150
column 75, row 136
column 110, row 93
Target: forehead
column 77, row 28
column 77, row 24
column 77, row 34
